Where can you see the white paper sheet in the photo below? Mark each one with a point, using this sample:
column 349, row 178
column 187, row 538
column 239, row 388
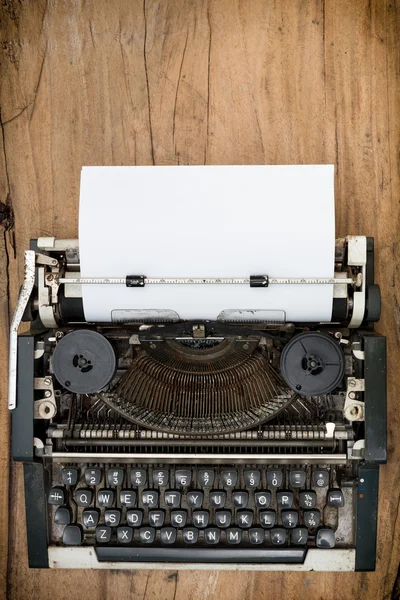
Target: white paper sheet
column 211, row 221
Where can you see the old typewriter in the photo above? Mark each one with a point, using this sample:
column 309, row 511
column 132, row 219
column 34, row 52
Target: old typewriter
column 198, row 444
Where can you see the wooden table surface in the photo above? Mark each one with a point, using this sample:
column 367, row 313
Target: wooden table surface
column 189, row 82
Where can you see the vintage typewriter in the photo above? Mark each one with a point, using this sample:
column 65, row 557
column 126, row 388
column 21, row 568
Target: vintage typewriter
column 198, row 444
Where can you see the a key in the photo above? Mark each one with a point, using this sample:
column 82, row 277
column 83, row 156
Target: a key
column 161, row 477
column 172, row 499
column 320, row 478
column 200, row 518
column 168, row 535
column 127, row 498
column 105, row 497
column 183, row 477
column 72, row 535
column 205, row 478
column 335, row 498
column 178, row 518
column 274, row 478
column 212, row 535
column 278, row 536
column 262, row 499
column 267, row 518
column 112, row 517
column 256, row 535
column 290, row 518
column 93, row 476
column 115, row 476
column 285, row 499
column 223, row 518
column 90, row 517
column 299, row 536
column 251, row 479
column 83, row 497
column 194, row 499
column 244, row 518
column 103, row 534
column 325, row 538
column 57, row 496
column 150, row 498
column 217, row 499
column 124, row 535
column 134, row 517
column 138, row 477
column 69, row 476
column 228, row 478
column 234, row 535
column 147, row 535
column 297, row 478
column 240, row 499
column 62, row 516
column 190, row 535
column 308, row 499
column 156, row 518
column 311, row 518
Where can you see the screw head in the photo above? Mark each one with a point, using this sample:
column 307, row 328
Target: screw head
column 352, row 382
column 47, row 394
column 352, row 395
column 47, row 380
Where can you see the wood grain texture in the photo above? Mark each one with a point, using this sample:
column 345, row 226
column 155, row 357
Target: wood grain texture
column 190, row 82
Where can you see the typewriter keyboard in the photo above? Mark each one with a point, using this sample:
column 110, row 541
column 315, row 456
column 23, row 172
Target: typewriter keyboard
column 180, row 513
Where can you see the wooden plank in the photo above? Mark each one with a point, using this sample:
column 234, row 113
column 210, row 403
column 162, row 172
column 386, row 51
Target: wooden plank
column 228, row 81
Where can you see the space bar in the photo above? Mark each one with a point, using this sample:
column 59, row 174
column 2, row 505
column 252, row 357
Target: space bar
column 200, row 555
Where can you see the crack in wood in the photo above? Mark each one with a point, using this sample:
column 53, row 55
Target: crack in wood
column 147, row 82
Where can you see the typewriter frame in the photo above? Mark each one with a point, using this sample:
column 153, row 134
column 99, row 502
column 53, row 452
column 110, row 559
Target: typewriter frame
column 27, row 447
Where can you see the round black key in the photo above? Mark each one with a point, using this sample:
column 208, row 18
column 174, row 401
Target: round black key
column 194, row 499
column 112, row 517
column 147, row 535
column 267, row 518
column 256, row 535
column 228, row 478
column 161, row 477
column 138, row 477
column 69, row 476
column 205, row 478
column 223, row 518
column 124, row 535
column 183, row 477
column 251, row 479
column 234, row 535
column 90, row 517
column 62, row 516
column 299, row 536
column 134, row 517
column 311, row 518
column 190, row 535
column 212, row 535
column 156, row 518
column 244, row 518
column 335, row 498
column 105, row 497
column 290, row 518
column 200, row 518
column 274, row 478
column 308, row 499
column 168, row 535
column 240, row 499
column 72, row 535
column 83, row 497
column 320, row 478
column 325, row 538
column 172, row 499
column 103, row 534
column 262, row 499
column 127, row 498
column 278, row 536
column 93, row 476
column 57, row 496
column 217, row 499
column 150, row 498
column 115, row 476
column 285, row 499
column 297, row 478
column 178, row 518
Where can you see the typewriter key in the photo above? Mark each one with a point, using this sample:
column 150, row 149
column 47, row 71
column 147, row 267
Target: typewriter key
column 84, row 361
